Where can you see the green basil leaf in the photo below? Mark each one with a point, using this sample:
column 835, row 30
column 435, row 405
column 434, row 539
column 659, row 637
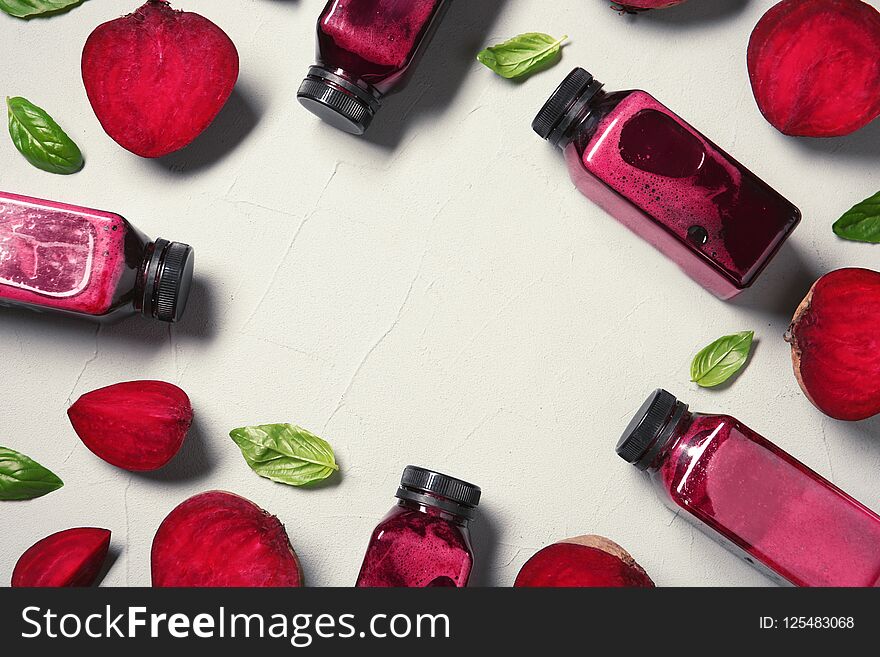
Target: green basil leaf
column 862, row 222
column 721, row 359
column 285, row 453
column 41, row 140
column 22, row 478
column 27, row 8
column 523, row 54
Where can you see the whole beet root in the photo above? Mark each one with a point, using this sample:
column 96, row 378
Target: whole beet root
column 137, row 426
column 220, row 539
column 72, row 557
column 585, row 561
column 158, row 77
column 835, row 344
column 815, row 66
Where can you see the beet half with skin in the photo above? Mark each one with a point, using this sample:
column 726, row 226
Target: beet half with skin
column 73, row 557
column 814, row 66
column 220, row 539
column 138, row 425
column 835, row 344
column 158, row 77
column 585, row 561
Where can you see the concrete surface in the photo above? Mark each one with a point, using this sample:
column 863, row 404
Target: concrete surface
column 437, row 293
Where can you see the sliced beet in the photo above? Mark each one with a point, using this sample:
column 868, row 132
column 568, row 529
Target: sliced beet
column 72, row 557
column 220, row 539
column 585, row 561
column 138, row 425
column 815, row 66
column 157, row 77
column 835, row 344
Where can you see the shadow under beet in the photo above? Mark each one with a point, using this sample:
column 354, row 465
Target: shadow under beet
column 695, row 12
column 112, row 557
column 438, row 76
column 239, row 116
column 863, row 144
column 191, row 464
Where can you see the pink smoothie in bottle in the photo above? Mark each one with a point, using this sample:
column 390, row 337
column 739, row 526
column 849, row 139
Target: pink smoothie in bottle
column 667, row 182
column 365, row 49
column 87, row 262
column 424, row 540
column 754, row 498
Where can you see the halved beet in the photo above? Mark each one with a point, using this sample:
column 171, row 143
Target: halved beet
column 72, row 557
column 585, row 561
column 220, row 539
column 835, row 344
column 138, row 425
column 815, row 66
column 157, row 77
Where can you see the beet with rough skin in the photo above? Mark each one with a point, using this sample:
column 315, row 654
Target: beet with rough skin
column 220, row 539
column 138, row 425
column 835, row 344
column 158, row 77
column 585, row 561
column 815, row 66
column 72, row 557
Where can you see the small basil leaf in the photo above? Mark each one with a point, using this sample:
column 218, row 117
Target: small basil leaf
column 41, row 140
column 862, row 222
column 27, row 8
column 285, row 453
column 722, row 359
column 523, row 54
column 22, row 478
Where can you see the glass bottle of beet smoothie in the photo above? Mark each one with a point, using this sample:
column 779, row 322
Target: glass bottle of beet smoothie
column 90, row 263
column 668, row 183
column 365, row 49
column 424, row 540
column 752, row 497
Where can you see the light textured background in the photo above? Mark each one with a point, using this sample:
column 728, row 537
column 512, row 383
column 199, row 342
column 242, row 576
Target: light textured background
column 437, row 293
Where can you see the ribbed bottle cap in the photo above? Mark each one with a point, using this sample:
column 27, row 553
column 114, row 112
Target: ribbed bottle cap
column 337, row 101
column 555, row 117
column 168, row 279
column 650, row 428
column 440, row 490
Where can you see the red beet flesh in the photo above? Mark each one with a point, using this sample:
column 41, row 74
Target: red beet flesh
column 158, row 77
column 586, row 561
column 835, row 344
column 138, row 426
column 221, row 539
column 815, row 66
column 73, row 557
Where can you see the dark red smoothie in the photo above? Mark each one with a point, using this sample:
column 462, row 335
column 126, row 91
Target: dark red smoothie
column 365, row 49
column 753, row 497
column 424, row 540
column 668, row 183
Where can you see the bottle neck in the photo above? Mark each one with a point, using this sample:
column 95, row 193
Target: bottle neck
column 580, row 117
column 667, row 442
column 436, row 506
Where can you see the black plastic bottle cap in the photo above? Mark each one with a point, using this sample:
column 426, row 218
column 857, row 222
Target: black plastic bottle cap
column 337, row 101
column 439, row 490
column 561, row 109
column 650, row 429
column 167, row 282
